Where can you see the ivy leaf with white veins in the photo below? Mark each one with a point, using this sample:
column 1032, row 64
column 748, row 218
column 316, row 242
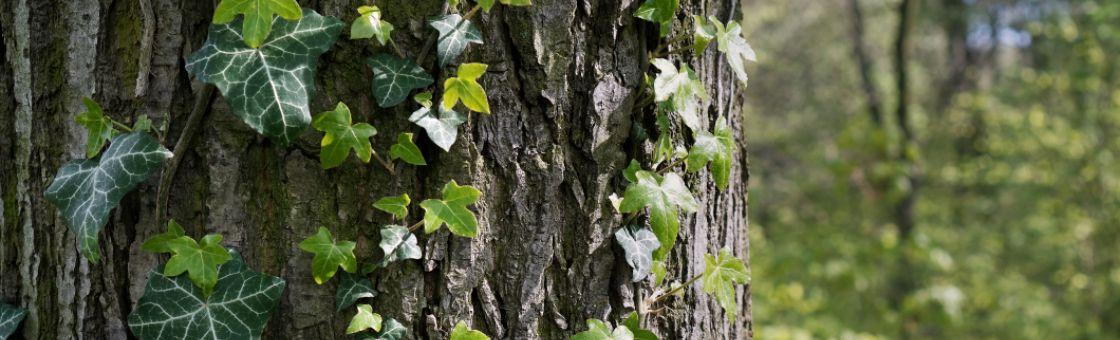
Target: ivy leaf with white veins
column 162, row 243
column 721, row 274
column 462, row 332
column 267, row 87
column 85, row 190
column 99, row 126
column 329, row 255
column 395, row 205
column 364, row 319
column 406, row 150
column 465, row 87
column 398, row 244
column 639, row 244
column 599, row 330
column 735, row 48
column 173, row 308
column 454, row 35
column 391, row 330
column 258, row 16
column 199, row 260
column 341, row 137
column 442, row 129
column 681, row 90
column 369, row 25
column 10, row 317
column 660, row 12
column 664, row 196
column 452, row 210
column 352, row 287
column 716, row 148
column 394, row 78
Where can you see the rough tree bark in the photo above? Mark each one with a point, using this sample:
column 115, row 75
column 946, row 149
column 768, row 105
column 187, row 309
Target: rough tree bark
column 563, row 80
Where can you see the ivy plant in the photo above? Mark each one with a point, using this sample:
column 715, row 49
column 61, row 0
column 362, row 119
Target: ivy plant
column 341, row 136
column 715, row 148
column 639, row 245
column 441, row 128
column 721, row 274
column 390, row 330
column 258, row 16
column 364, row 319
column 10, row 317
column 660, row 12
column 462, row 332
column 394, row 205
column 681, row 91
column 398, row 244
column 368, row 24
column 406, row 150
column 99, row 127
column 464, row 87
column 351, row 288
column 599, row 330
column 329, row 255
column 452, row 210
column 455, row 33
column 665, row 196
column 394, row 78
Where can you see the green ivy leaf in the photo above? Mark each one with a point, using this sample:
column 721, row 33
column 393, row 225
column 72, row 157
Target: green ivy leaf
column 329, row 255
column 454, row 36
column 173, row 308
column 452, row 210
column 99, row 126
column 268, row 87
column 659, row 271
column 664, row 197
column 398, row 244
column 486, row 5
column 341, row 137
column 517, row 2
column 681, row 90
column 352, row 287
column 716, row 148
column 663, row 150
column 639, row 244
column 142, row 124
column 369, row 25
column 598, row 330
column 735, row 48
column 396, row 205
column 391, row 330
column 703, row 33
column 465, row 88
column 258, row 16
column 462, row 332
column 721, row 274
column 394, row 78
column 442, row 129
column 635, row 326
column 10, row 317
column 162, row 243
column 406, row 150
column 85, row 190
column 199, row 260
column 364, row 319
column 660, row 12
column 631, row 171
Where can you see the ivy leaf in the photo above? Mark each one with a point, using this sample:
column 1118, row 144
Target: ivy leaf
column 369, row 25
column 258, row 16
column 663, row 150
column 631, row 171
column 406, row 150
column 465, row 88
column 99, row 126
column 329, row 255
column 452, row 210
column 680, row 90
column 341, row 137
column 735, row 48
column 442, row 129
column 487, row 4
column 660, row 12
column 267, row 87
column 199, row 260
column 462, row 332
column 396, row 205
column 352, row 287
column 365, row 319
column 398, row 244
column 703, row 33
column 635, row 326
column 86, row 190
column 598, row 330
column 615, row 201
column 454, row 36
column 639, row 244
column 394, row 77
column 721, row 274
column 162, row 243
column 391, row 330
column 173, row 308
column 10, row 317
column 716, row 148
column 659, row 271
column 664, row 197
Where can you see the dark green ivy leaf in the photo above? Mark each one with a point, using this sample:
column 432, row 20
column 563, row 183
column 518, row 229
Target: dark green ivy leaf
column 660, row 12
column 390, row 330
column 352, row 287
column 406, row 150
column 396, row 205
column 329, row 255
column 639, row 244
column 341, row 137
column 10, row 317
column 398, row 244
column 716, row 148
column 664, row 196
column 452, row 210
column 454, row 36
column 99, row 126
column 394, row 78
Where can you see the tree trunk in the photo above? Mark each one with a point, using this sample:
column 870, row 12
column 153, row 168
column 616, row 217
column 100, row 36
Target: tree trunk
column 563, row 80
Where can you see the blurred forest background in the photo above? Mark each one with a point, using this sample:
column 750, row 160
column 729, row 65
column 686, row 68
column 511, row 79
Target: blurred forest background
column 935, row 169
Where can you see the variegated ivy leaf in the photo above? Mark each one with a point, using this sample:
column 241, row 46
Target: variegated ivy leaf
column 396, row 205
column 363, row 320
column 442, row 129
column 735, row 48
column 239, row 307
column 660, row 12
column 462, row 332
column 390, row 330
column 329, row 255
column 639, row 244
column 680, row 91
column 398, row 244
column 369, row 25
column 454, row 36
column 721, row 274
column 465, row 87
column 716, row 148
column 162, row 243
column 99, row 126
column 352, row 287
column 200, row 260
column 394, row 78
column 267, row 87
column 341, row 137
column 487, row 4
column 703, row 33
column 406, row 150
column 635, row 326
column 452, row 210
column 86, row 190
column 599, row 330
column 258, row 16
column 664, row 196
column 10, row 317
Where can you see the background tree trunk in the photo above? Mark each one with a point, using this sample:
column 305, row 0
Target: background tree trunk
column 563, row 79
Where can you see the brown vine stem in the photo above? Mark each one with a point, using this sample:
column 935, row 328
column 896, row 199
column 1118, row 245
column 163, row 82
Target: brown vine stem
column 120, row 125
column 393, row 43
column 416, row 225
column 387, row 165
column 670, row 166
column 201, row 104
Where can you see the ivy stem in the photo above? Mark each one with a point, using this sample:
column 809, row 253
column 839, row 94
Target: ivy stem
column 670, row 166
column 201, row 103
column 387, row 165
column 665, row 45
column 670, row 292
column 393, row 43
column 120, row 125
column 416, row 225
column 469, row 14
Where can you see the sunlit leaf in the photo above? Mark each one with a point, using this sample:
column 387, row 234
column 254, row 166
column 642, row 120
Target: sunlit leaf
column 721, row 274
column 638, row 244
column 454, row 36
column 735, row 48
column 258, row 16
column 599, row 330
column 664, row 196
column 681, row 90
column 703, row 33
column 341, row 137
column 465, row 88
column 398, row 244
column 716, row 148
column 99, row 127
column 363, row 320
column 329, row 255
column 661, row 12
column 369, row 24
column 635, row 326
column 396, row 205
column 200, row 260
column 462, row 332
column 452, row 210
column 442, row 129
column 162, row 243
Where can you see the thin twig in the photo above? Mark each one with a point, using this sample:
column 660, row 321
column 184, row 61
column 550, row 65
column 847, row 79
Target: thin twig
column 201, row 103
column 670, row 166
column 121, row 125
column 666, row 294
column 388, row 165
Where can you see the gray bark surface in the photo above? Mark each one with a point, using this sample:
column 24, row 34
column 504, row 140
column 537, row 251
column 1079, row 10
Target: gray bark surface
column 563, row 80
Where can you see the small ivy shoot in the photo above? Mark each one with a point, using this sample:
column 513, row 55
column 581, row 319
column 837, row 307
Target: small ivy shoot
column 342, row 136
column 200, row 260
column 406, row 150
column 721, row 274
column 452, row 210
column 661, row 12
column 465, row 87
column 258, row 16
column 99, row 126
column 364, row 319
column 462, row 332
column 395, row 205
column 329, row 255
column 369, row 25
